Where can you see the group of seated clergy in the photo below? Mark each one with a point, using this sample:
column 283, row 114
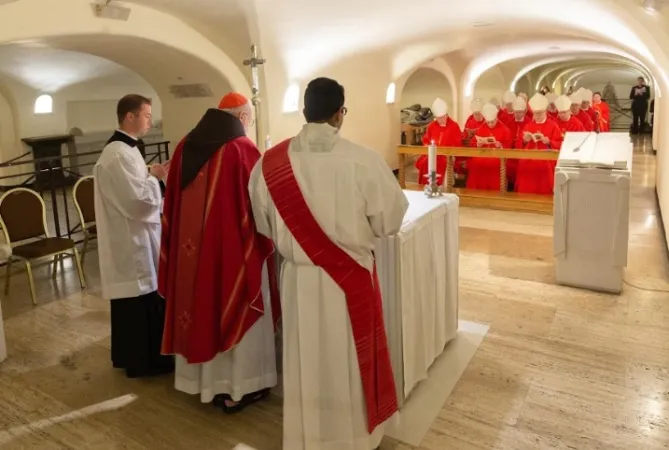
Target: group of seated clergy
column 540, row 126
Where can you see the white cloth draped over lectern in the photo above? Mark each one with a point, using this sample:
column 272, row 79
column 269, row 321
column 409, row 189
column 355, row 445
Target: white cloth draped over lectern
column 418, row 272
column 591, row 210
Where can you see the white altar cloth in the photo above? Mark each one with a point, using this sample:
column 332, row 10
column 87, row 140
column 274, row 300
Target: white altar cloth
column 418, row 272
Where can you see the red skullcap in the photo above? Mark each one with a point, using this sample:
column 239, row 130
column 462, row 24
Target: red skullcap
column 232, row 100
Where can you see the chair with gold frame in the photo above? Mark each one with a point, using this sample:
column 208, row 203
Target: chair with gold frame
column 23, row 222
column 83, row 194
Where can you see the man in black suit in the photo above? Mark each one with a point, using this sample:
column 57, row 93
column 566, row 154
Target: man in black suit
column 640, row 94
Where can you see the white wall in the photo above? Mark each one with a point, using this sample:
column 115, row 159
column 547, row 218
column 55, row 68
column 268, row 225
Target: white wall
column 90, row 106
column 423, row 86
column 491, row 84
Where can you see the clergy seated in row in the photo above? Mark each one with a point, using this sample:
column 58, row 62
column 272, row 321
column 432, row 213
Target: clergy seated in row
column 484, row 173
column 445, row 132
column 577, row 111
column 541, row 134
column 324, row 201
column 216, row 272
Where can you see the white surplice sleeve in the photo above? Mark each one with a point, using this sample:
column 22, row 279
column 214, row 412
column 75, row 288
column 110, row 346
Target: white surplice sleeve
column 259, row 200
column 133, row 191
column 385, row 200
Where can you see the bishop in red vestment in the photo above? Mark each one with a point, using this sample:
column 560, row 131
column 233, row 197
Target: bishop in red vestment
column 603, row 112
column 474, row 121
column 552, row 111
column 216, row 272
column 506, row 114
column 591, row 112
column 536, row 176
column 581, row 115
column 484, row 173
column 516, row 125
column 528, row 111
column 445, row 132
column 566, row 121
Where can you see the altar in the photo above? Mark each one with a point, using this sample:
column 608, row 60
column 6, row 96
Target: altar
column 418, row 272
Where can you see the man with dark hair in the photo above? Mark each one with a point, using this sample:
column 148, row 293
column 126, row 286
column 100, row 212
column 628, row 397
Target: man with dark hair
column 324, row 200
column 640, row 94
column 127, row 210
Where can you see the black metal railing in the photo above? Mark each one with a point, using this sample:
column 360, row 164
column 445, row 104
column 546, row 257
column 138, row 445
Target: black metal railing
column 51, row 177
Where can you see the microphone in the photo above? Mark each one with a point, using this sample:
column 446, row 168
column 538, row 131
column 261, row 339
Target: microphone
column 578, row 147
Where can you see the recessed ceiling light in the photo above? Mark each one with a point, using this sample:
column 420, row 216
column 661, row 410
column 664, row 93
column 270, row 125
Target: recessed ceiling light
column 553, row 47
column 482, row 24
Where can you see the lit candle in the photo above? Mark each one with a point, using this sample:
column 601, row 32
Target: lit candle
column 432, row 158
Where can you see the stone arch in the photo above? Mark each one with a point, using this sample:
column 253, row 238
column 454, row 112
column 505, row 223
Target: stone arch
column 170, row 52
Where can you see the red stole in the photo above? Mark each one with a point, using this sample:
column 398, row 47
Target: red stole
column 211, row 256
column 363, row 295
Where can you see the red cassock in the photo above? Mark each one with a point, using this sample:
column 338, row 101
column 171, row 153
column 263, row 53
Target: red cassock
column 505, row 117
column 592, row 113
column 483, row 173
column 552, row 115
column 446, row 136
column 571, row 125
column 471, row 124
column 535, row 176
column 515, row 128
column 604, row 116
column 585, row 119
column 211, row 257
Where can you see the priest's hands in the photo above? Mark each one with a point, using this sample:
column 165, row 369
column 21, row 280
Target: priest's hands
column 498, row 144
column 159, row 170
column 545, row 140
column 527, row 136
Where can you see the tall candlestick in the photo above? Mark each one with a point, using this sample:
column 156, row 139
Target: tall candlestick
column 432, row 158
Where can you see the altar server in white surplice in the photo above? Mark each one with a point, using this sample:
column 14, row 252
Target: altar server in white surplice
column 324, row 200
column 127, row 211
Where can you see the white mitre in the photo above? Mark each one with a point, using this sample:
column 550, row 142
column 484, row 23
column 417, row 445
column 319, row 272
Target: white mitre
column 551, row 96
column 539, row 102
column 519, row 104
column 586, row 95
column 563, row 103
column 476, row 105
column 489, row 112
column 439, row 107
column 575, row 98
column 509, row 97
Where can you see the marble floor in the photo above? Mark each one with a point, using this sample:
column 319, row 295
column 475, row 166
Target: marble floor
column 560, row 368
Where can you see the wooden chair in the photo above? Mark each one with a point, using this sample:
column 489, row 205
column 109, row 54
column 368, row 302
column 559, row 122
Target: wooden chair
column 23, row 221
column 83, row 194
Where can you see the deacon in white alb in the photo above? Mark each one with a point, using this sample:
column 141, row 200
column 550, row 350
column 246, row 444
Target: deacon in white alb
column 127, row 212
column 324, row 200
